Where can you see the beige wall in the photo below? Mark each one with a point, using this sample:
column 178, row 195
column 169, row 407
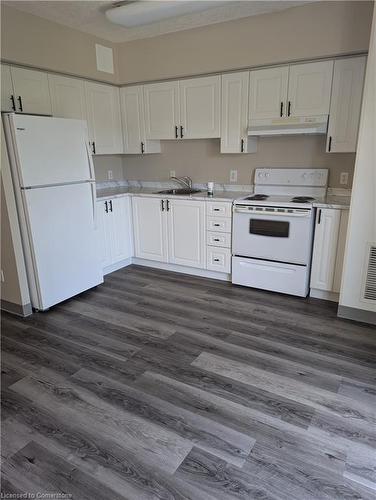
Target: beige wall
column 313, row 30
column 201, row 160
column 102, row 164
column 31, row 40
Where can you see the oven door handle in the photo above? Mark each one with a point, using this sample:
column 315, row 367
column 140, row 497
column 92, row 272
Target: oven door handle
column 279, row 214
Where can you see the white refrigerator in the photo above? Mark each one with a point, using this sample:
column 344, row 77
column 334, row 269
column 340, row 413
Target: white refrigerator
column 54, row 184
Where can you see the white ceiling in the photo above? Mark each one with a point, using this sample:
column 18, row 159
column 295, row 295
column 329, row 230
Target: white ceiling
column 88, row 16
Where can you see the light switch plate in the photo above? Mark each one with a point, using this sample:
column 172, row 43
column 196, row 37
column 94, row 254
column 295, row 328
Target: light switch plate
column 110, row 175
column 172, row 173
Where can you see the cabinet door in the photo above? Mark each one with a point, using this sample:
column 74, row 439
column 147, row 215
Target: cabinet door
column 31, row 91
column 104, row 232
column 200, row 107
column 150, row 229
column 186, row 233
column 162, row 114
column 104, row 122
column 325, row 248
column 234, row 113
column 6, row 89
column 132, row 119
column 68, row 97
column 309, row 88
column 345, row 105
column 268, row 93
column 120, row 209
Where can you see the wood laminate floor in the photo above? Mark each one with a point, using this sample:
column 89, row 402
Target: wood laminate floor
column 158, row 385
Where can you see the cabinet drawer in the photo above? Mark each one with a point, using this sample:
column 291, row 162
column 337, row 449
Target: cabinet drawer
column 219, row 239
column 218, row 209
column 219, row 259
column 222, row 225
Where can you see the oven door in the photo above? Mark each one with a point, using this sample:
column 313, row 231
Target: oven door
column 272, row 233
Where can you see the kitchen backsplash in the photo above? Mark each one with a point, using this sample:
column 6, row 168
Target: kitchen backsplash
column 201, row 160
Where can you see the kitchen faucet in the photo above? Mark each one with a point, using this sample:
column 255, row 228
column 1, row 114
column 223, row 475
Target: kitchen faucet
column 183, row 181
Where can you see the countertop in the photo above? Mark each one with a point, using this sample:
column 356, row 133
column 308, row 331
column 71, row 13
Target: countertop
column 121, row 191
column 330, row 201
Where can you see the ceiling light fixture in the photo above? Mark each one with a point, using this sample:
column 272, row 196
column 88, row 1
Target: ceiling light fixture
column 141, row 13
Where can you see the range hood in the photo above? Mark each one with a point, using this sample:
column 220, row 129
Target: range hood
column 289, row 126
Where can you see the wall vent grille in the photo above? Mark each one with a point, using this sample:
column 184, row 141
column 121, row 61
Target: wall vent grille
column 370, row 282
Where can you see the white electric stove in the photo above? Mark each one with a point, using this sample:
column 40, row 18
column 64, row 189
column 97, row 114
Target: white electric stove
column 273, row 230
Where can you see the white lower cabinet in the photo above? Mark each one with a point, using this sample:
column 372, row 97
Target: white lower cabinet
column 328, row 249
column 186, row 233
column 218, row 236
column 115, row 230
column 170, row 231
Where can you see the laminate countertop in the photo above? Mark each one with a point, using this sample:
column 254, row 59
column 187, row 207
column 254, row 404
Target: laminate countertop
column 202, row 195
column 330, row 201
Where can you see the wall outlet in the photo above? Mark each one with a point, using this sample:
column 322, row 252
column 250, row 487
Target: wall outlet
column 233, row 175
column 110, row 175
column 344, row 178
column 172, row 173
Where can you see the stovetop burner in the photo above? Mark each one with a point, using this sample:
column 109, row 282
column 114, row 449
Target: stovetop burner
column 302, row 199
column 258, row 197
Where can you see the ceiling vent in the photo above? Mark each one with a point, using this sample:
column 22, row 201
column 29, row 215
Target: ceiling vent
column 370, row 275
column 131, row 14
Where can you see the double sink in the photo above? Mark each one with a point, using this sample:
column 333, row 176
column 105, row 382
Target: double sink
column 183, row 191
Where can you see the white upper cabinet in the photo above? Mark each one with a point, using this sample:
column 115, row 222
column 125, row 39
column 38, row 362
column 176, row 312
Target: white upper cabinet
column 268, row 93
column 345, row 105
column 133, row 119
column 200, row 101
column 31, row 91
column 162, row 113
column 104, row 122
column 150, row 228
column 234, row 112
column 8, row 102
column 68, row 97
column 186, row 233
column 309, row 89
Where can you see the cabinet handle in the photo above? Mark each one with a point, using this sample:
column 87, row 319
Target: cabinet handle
column 216, row 225
column 216, row 260
column 289, row 109
column 13, row 102
column 142, row 148
column 181, row 131
column 162, row 205
column 242, row 146
column 216, row 209
column 319, row 217
column 216, row 239
column 110, row 206
column 20, row 103
column 106, row 207
column 281, row 112
column 330, row 144
column 93, row 147
column 168, row 205
column 176, row 132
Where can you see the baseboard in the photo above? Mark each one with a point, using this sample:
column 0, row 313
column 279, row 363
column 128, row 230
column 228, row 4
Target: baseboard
column 117, row 266
column 182, row 269
column 17, row 309
column 357, row 314
column 324, row 294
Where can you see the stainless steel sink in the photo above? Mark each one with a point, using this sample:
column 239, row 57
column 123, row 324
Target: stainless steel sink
column 179, row 191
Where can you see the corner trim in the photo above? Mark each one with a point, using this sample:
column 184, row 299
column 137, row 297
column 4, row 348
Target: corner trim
column 17, row 309
column 357, row 314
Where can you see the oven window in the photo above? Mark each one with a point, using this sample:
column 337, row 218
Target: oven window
column 275, row 228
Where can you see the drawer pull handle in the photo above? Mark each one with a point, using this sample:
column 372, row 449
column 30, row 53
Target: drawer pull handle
column 216, row 260
column 216, row 209
column 216, row 239
column 216, row 225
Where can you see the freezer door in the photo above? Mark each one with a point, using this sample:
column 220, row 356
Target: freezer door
column 62, row 241
column 50, row 150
